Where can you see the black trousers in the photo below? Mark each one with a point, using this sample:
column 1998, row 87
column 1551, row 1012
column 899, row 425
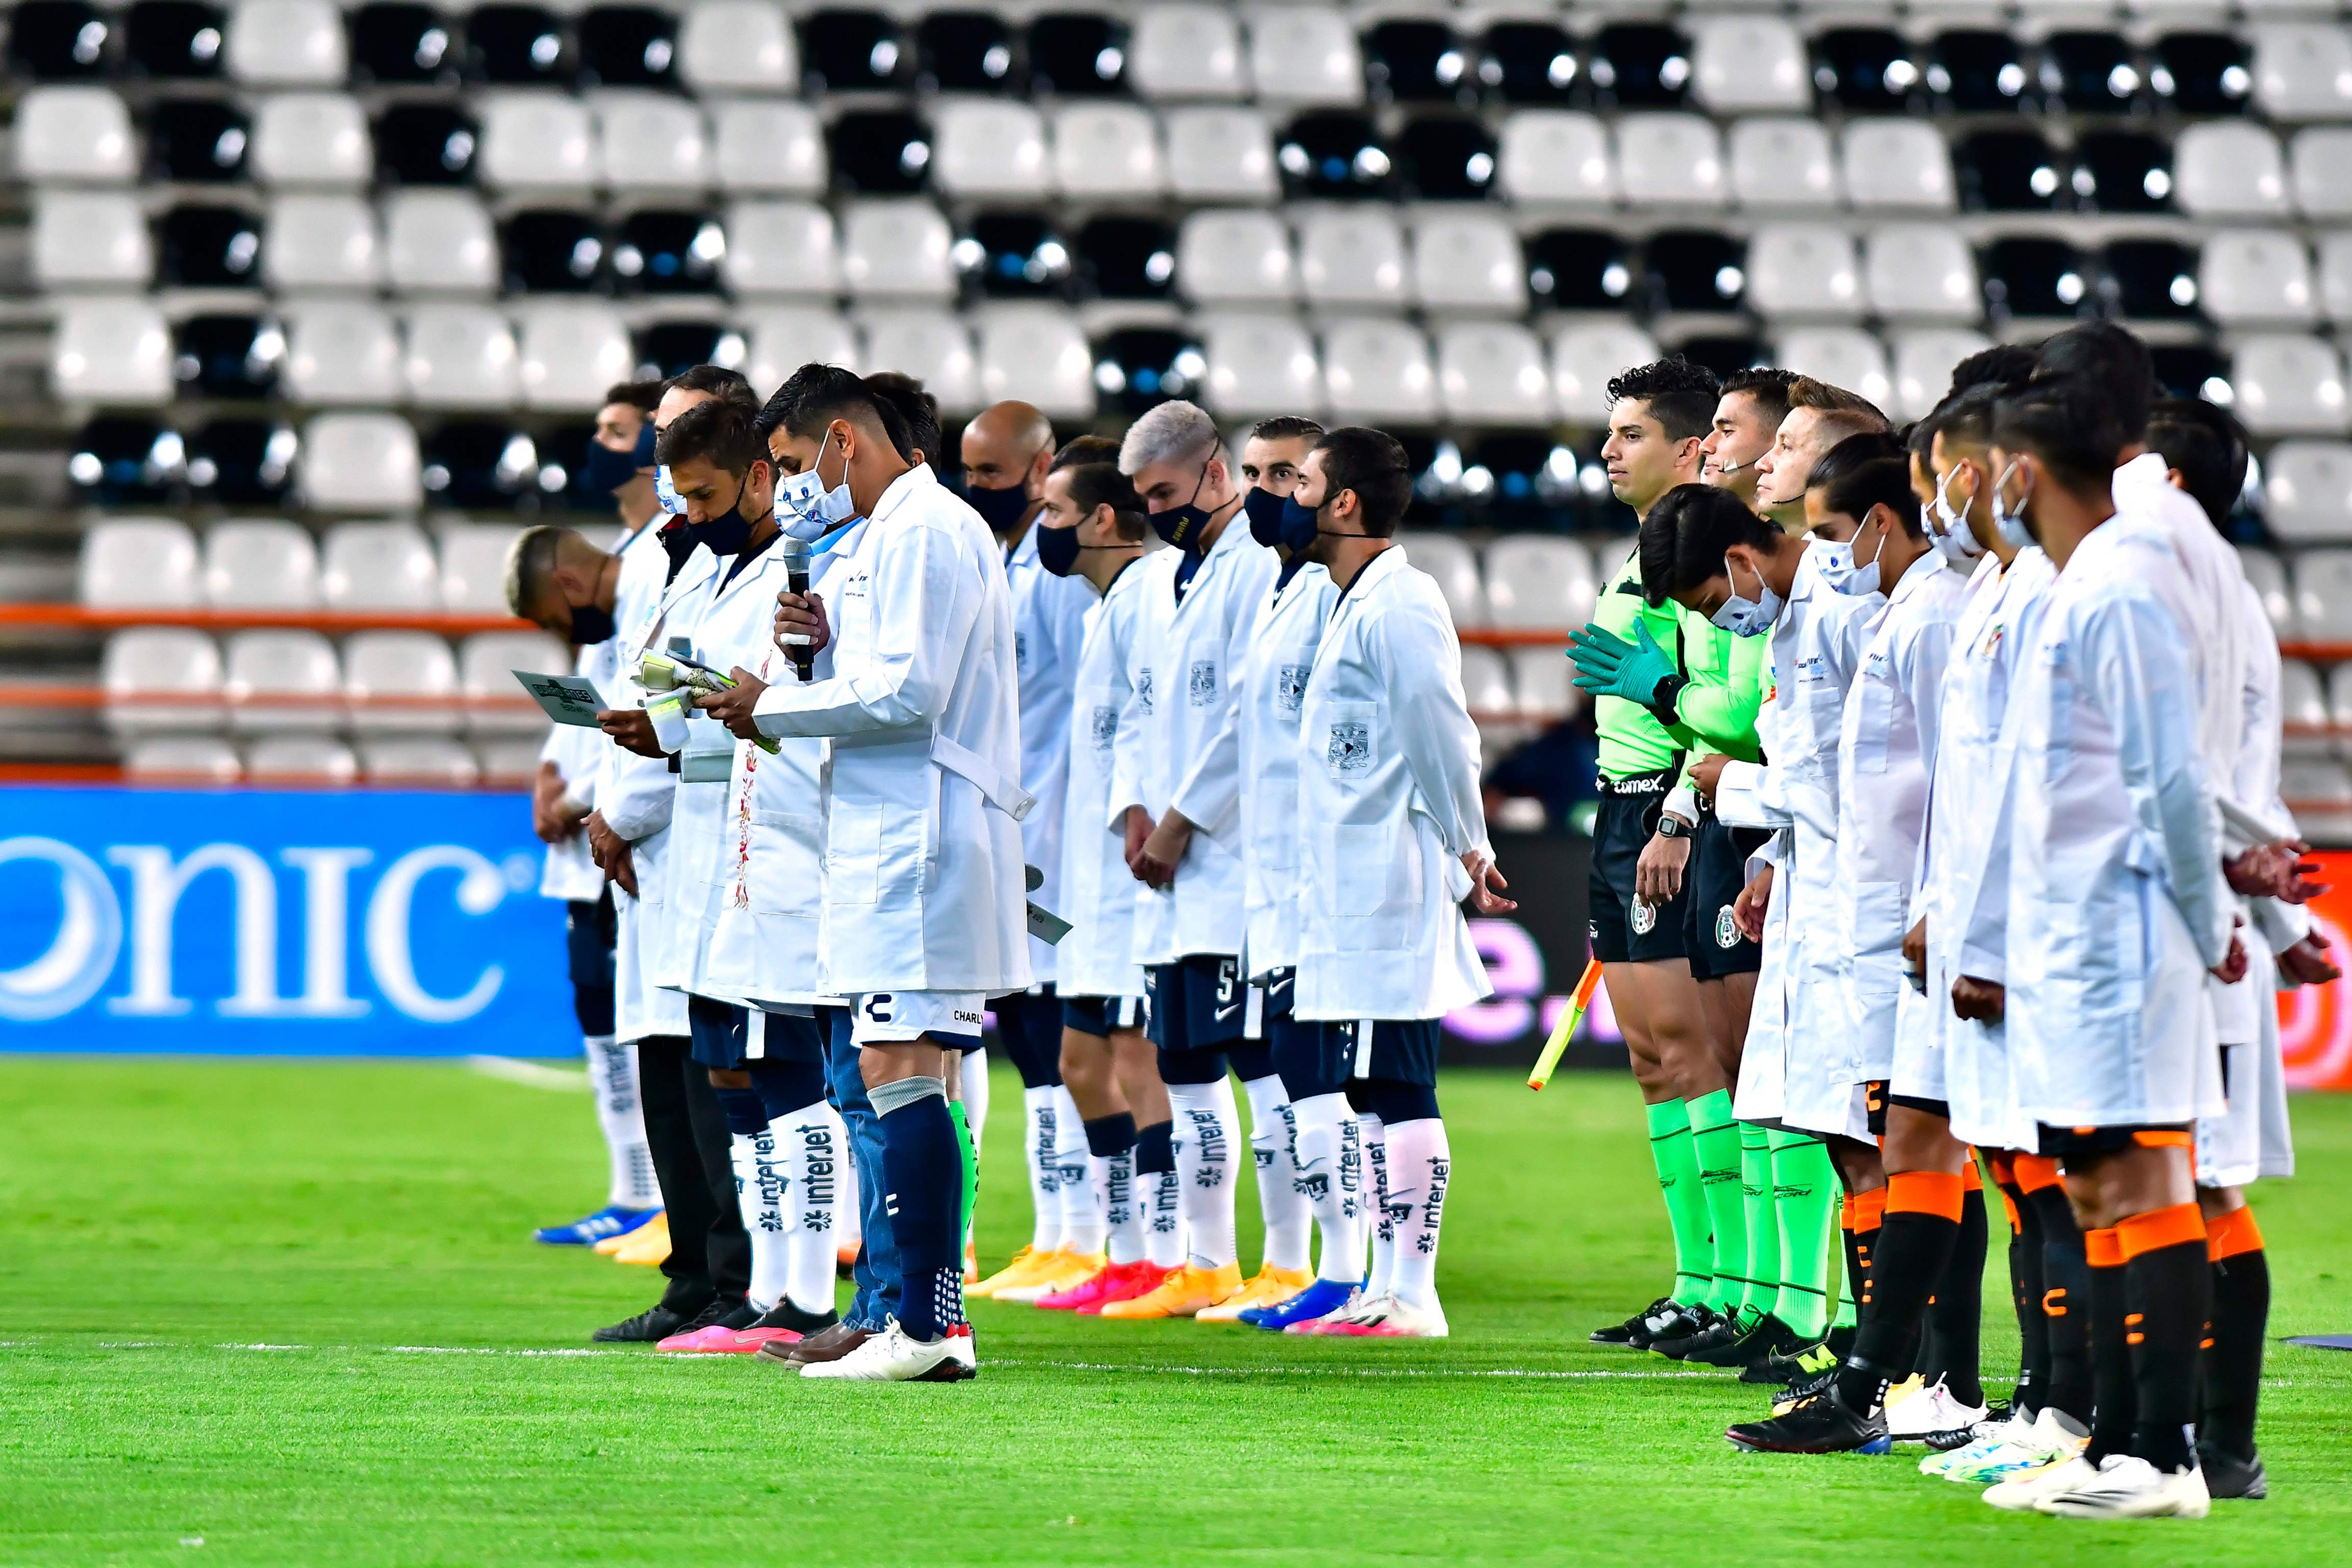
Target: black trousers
column 709, row 1252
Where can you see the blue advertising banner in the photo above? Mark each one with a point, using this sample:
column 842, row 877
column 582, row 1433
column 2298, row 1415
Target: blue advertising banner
column 266, row 922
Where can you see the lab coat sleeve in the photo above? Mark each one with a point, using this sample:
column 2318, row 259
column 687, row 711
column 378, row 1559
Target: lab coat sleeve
column 1752, row 795
column 1209, row 793
column 636, row 794
column 1127, row 747
column 926, row 602
column 1422, row 668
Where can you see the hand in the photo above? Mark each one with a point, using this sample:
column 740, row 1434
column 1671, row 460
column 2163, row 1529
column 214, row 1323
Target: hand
column 1979, row 1001
column 1658, row 875
column 622, row 871
column 2308, row 964
column 801, row 623
column 1706, row 771
column 632, row 729
column 2232, row 968
column 2275, row 871
column 1139, row 828
column 1915, row 947
column 553, row 816
column 733, row 707
column 1155, row 863
column 602, row 842
column 1608, row 665
column 1485, row 882
column 1748, row 909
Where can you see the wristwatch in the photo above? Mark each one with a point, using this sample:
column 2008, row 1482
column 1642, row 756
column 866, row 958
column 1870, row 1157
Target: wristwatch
column 1673, row 827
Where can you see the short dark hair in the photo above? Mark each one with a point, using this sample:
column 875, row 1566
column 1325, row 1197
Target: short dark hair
column 2065, row 425
column 643, row 396
column 2111, row 370
column 726, row 386
column 2208, row 445
column 918, row 410
column 2003, row 364
column 1769, row 386
column 1080, row 451
column 1965, row 416
column 1880, row 482
column 814, row 396
column 1851, row 454
column 1372, row 464
column 1680, row 395
column 1287, row 427
column 1848, row 407
column 720, row 430
column 1092, row 464
column 1686, row 534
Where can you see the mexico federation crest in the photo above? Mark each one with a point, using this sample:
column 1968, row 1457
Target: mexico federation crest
column 1727, row 929
column 1289, row 687
column 1645, row 918
column 1203, row 689
column 1350, row 748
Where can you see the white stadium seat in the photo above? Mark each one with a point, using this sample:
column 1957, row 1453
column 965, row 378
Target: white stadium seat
column 897, row 249
column 570, row 352
column 311, row 138
column 400, row 683
column 782, row 339
column 1493, row 373
column 989, row 149
column 1897, row 164
column 1920, row 272
column 1186, row 51
column 260, row 563
column 1450, row 562
column 2256, row 278
column 1669, row 160
column 1487, row 690
column 1555, row 156
column 647, row 141
column 75, row 135
column 2288, row 385
column 1261, row 365
column 738, row 45
column 1351, row 255
column 285, row 43
column 1467, row 260
column 1803, row 270
column 764, row 147
column 1304, row 54
column 2335, row 278
column 84, row 237
column 182, row 760
column 1585, row 357
column 116, row 351
column 474, row 567
column 322, row 242
column 2322, row 158
column 2322, row 594
column 1843, row 356
column 1036, row 354
column 509, row 764
column 1546, row 684
column 344, row 352
column 1741, row 63
column 1923, row 366
column 360, row 463
column 2307, row 492
column 2339, row 698
column 781, row 248
column 2229, row 169
column 1537, row 583
column 1235, row 256
column 461, row 357
column 2304, row 71
column 176, row 670
column 438, row 241
column 2302, row 707
column 932, row 346
column 1108, row 149
column 282, row 679
column 538, row 142
column 1219, row 154
column 379, row 566
column 2320, row 793
column 420, row 761
column 312, row 759
column 139, row 563
column 1378, row 373
column 2267, row 573
column 1779, row 163
column 485, row 664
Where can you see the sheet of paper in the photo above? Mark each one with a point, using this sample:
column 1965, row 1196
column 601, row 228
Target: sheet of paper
column 568, row 699
column 1045, row 925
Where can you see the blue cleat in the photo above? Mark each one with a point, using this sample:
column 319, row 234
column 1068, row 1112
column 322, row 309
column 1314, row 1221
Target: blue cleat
column 1320, row 1300
column 602, row 1225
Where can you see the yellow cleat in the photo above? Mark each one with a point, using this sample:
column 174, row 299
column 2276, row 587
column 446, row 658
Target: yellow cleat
column 658, row 1224
column 647, row 1244
column 1269, row 1287
column 970, row 1267
column 1061, row 1271
column 1183, row 1294
column 1025, row 1266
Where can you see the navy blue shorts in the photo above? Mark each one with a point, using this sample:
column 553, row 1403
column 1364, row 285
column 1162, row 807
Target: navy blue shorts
column 1029, row 1031
column 719, row 1033
column 1097, row 1016
column 589, row 934
column 1198, row 1006
column 1328, row 1057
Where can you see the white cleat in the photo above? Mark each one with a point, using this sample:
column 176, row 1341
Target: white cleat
column 1988, row 1439
column 1929, row 1411
column 892, row 1356
column 2055, row 1439
column 2128, row 1486
column 2024, row 1492
column 1387, row 1316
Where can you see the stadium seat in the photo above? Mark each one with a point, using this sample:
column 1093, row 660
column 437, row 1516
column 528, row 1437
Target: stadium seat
column 57, row 40
column 2322, row 159
column 115, row 351
column 781, row 248
column 1920, row 272
column 648, row 142
column 2322, row 594
column 2228, row 169
column 378, row 565
column 175, row 671
column 311, row 760
column 1639, row 65
column 897, row 250
column 1781, row 163
column 242, row 462
column 281, row 680
column 474, row 567
column 1976, row 69
column 2200, row 72
column 138, row 563
column 1106, row 149
column 1455, row 567
column 399, row 683
column 1119, row 258
column 426, row 143
column 2288, row 385
column 1414, row 59
column 182, row 759
column 1694, row 269
column 2089, row 71
column 2307, row 494
column 932, row 346
column 846, row 50
column 438, row 241
column 1012, row 255
column 197, row 141
column 1077, row 54
column 537, row 143
column 421, row 761
column 1487, row 690
column 1529, row 59
column 2012, row 169
column 2302, row 710
column 487, row 662
column 1670, row 159
column 1536, row 583
column 1583, row 360
column 2303, row 71
column 1746, row 64
column 986, row 149
column 767, row 148
column 1804, row 271
column 360, row 463
column 1304, row 54
column 1235, row 256
column 311, row 138
column 229, row 355
column 1036, row 354
column 879, row 153
column 2256, row 278
column 1555, row 156
column 2152, row 279
column 86, row 238
column 570, row 353
column 508, row 764
column 2267, row 573
column 1866, row 68
column 2121, row 171
column 1219, row 154
column 738, row 45
column 1378, row 373
column 402, row 43
column 1923, row 367
column 76, row 135
column 343, row 352
column 1260, row 364
column 460, row 357
column 1843, row 356
column 2335, row 278
column 969, row 51
column 122, row 460
column 260, row 564
column 1579, row 269
column 1186, row 51
column 1137, row 367
column 1545, row 684
column 518, row 46
column 322, row 242
column 2339, row 701
column 780, row 341
column 1493, row 373
column 484, row 465
column 1465, row 260
column 286, row 43
column 1897, row 165
column 2035, row 275
column 1334, row 154
column 1443, row 158
column 628, row 45
column 669, row 251
column 173, row 40
column 1351, row 255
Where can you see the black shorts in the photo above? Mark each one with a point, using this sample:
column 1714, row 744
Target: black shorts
column 589, row 934
column 1326, row 1058
column 1099, row 1016
column 2064, row 1143
column 1197, row 1007
column 1029, row 1030
column 1622, row 931
column 1717, row 869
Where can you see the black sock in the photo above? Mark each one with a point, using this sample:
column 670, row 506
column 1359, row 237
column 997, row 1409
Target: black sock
column 746, row 1117
column 2025, row 1300
column 2168, row 1295
column 2233, row 1356
column 922, row 1164
column 2065, row 1306
column 1112, row 1135
column 1956, row 1313
column 1155, row 1150
column 2115, row 1401
column 1906, row 1258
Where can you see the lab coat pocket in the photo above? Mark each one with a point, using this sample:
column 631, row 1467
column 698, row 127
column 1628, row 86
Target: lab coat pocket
column 1874, row 699
column 853, row 856
column 1350, row 741
column 780, row 875
column 1097, row 716
column 1376, row 876
column 2059, row 718
column 1877, row 937
column 2103, row 943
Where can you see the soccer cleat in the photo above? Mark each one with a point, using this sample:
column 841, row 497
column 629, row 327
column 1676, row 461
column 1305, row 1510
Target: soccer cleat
column 711, row 1328
column 1802, row 1364
column 1319, row 1300
column 1269, row 1287
column 1622, row 1333
column 1985, row 1439
column 648, row 1247
column 891, row 1356
column 1025, row 1266
column 1821, row 1425
column 1674, row 1321
column 1183, row 1292
column 1796, row 1393
column 2128, row 1486
column 971, row 1265
column 1929, row 1413
column 2062, row 1467
column 2050, row 1441
column 1699, row 1326
column 747, row 1342
column 1112, row 1283
column 826, row 1344
column 2228, row 1476
column 1386, row 1316
column 609, row 1221
column 656, row 1226
column 652, row 1326
column 1061, row 1271
column 1306, row 1326
column 1766, row 1337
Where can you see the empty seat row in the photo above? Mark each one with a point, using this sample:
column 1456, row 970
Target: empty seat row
column 310, row 761
column 271, row 564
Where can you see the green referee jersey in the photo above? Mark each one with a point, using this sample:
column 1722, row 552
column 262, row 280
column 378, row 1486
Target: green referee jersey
column 1632, row 741
column 1717, row 711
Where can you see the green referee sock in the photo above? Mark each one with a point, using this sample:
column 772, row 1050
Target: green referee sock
column 1715, row 1141
column 971, row 1162
column 1679, row 1179
column 1805, row 1195
column 1763, row 1228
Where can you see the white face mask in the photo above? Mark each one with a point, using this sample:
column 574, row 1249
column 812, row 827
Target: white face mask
column 1860, row 577
column 1744, row 617
column 1948, row 530
column 806, row 507
column 1832, row 563
column 666, row 493
column 2011, row 520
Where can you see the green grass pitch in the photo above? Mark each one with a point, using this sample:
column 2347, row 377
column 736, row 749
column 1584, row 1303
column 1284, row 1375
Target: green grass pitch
column 289, row 1314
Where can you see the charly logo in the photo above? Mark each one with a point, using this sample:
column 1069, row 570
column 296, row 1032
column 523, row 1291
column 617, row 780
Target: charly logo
column 1727, row 929
column 82, row 954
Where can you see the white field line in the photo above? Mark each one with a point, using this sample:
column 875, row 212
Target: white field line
column 530, row 1074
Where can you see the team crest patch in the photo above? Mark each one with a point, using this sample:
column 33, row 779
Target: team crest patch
column 1105, row 728
column 1204, row 686
column 1645, row 918
column 1350, row 747
column 1289, row 687
column 1727, row 929
column 1143, row 690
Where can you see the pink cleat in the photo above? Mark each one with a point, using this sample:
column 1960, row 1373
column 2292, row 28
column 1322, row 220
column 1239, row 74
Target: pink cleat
column 1118, row 1282
column 709, row 1341
column 747, row 1342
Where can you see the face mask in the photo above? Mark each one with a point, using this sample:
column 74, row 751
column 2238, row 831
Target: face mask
column 806, row 496
column 666, row 493
column 1264, row 510
column 2010, row 521
column 1300, row 526
column 1745, row 617
column 604, row 470
column 1860, row 577
column 1180, row 526
column 1057, row 550
column 730, row 531
column 590, row 623
column 1955, row 538
column 1002, row 510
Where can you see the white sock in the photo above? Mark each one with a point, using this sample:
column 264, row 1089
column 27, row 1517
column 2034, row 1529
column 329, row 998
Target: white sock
column 813, row 1140
column 848, row 1220
column 1382, row 1232
column 1206, row 1127
column 1163, row 1240
column 1074, row 1176
column 1274, row 1146
column 1331, row 1182
column 1420, row 1162
column 759, row 1180
column 613, row 1076
column 1122, row 1207
column 975, row 1095
column 1037, row 1139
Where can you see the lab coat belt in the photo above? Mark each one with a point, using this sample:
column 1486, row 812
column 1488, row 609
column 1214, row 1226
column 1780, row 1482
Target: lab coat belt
column 1005, row 794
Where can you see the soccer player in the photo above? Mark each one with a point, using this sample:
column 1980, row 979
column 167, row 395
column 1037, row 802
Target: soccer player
column 1393, row 839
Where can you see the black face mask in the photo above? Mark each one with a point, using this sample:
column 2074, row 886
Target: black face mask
column 1264, row 510
column 1002, row 510
column 728, row 533
column 590, row 623
column 1057, row 550
column 1181, row 526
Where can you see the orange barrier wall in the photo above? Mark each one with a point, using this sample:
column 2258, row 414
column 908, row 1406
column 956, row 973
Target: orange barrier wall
column 2315, row 1022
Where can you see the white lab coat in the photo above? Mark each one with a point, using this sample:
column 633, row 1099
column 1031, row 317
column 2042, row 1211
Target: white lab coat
column 923, row 879
column 570, row 872
column 1098, row 890
column 2116, row 903
column 1886, row 754
column 699, row 804
column 1388, row 805
column 1186, row 751
column 1049, row 617
column 1271, row 687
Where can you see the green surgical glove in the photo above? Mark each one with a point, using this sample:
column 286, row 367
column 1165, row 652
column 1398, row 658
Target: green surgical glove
column 1608, row 665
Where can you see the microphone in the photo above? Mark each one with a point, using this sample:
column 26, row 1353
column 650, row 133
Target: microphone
column 796, row 576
